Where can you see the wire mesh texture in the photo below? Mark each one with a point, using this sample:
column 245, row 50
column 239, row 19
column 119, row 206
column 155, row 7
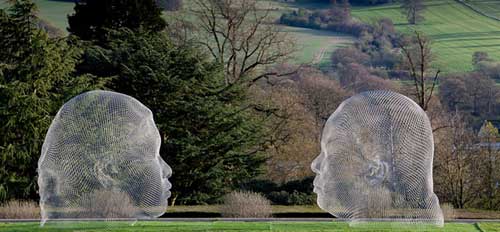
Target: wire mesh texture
column 376, row 161
column 100, row 159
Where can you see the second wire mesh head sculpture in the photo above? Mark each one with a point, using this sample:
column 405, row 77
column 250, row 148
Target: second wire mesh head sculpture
column 376, row 161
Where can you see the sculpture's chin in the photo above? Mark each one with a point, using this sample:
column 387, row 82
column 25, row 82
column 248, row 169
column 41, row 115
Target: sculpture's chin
column 320, row 200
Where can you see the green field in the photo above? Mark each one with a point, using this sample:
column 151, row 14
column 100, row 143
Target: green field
column 237, row 226
column 489, row 7
column 456, row 30
column 316, row 46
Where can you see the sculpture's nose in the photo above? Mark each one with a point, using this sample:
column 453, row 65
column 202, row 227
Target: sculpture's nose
column 316, row 164
column 166, row 170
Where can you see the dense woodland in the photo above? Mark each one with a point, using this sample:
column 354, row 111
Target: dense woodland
column 232, row 111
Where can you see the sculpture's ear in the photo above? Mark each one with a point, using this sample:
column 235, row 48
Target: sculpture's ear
column 376, row 172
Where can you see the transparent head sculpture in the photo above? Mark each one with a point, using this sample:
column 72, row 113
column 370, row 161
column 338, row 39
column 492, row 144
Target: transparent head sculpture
column 100, row 159
column 376, row 161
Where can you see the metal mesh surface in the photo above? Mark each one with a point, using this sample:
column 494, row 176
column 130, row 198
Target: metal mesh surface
column 100, row 159
column 376, row 161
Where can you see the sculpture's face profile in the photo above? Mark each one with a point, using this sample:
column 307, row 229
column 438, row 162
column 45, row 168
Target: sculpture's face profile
column 100, row 159
column 376, row 160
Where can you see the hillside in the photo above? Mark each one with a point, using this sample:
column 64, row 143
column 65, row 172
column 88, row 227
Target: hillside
column 456, row 30
column 314, row 46
column 488, row 7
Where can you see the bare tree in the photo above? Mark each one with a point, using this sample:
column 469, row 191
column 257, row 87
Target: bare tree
column 418, row 57
column 321, row 95
column 413, row 9
column 456, row 163
column 294, row 144
column 357, row 77
column 243, row 38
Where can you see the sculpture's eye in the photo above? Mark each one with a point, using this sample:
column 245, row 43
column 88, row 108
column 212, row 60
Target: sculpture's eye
column 376, row 172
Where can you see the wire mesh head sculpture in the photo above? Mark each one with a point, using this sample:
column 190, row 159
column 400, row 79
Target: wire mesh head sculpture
column 100, row 159
column 376, row 161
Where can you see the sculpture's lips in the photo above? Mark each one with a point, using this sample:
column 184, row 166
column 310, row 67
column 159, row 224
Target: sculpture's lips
column 316, row 189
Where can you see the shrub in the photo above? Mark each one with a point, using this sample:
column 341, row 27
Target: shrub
column 300, row 198
column 295, row 192
column 107, row 204
column 20, row 210
column 449, row 211
column 246, row 205
column 279, row 197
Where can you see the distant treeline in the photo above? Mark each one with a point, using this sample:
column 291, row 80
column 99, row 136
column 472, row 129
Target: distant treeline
column 336, row 19
column 355, row 2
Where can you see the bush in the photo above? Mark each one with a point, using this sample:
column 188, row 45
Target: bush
column 300, row 198
column 259, row 186
column 295, row 192
column 279, row 197
column 449, row 211
column 246, row 205
column 107, row 204
column 16, row 209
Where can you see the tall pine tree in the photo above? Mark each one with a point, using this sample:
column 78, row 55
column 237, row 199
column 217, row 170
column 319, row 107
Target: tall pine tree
column 35, row 79
column 93, row 18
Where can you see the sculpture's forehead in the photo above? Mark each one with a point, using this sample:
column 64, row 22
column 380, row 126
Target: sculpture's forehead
column 373, row 117
column 102, row 106
column 374, row 108
column 101, row 124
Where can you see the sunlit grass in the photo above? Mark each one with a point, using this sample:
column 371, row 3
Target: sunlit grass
column 238, row 226
column 457, row 31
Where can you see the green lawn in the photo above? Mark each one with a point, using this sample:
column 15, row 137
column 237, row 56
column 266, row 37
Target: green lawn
column 456, row 30
column 316, row 46
column 236, row 226
column 489, row 7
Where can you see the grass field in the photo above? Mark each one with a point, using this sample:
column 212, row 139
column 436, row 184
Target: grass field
column 316, row 46
column 489, row 7
column 456, row 30
column 237, row 226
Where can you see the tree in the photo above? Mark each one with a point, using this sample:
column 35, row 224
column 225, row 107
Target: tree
column 239, row 35
column 479, row 57
column 357, row 78
column 93, row 18
column 490, row 165
column 349, row 55
column 472, row 92
column 295, row 141
column 321, row 95
column 208, row 136
column 36, row 77
column 418, row 56
column 453, row 93
column 482, row 92
column 169, row 5
column 456, row 163
column 413, row 9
